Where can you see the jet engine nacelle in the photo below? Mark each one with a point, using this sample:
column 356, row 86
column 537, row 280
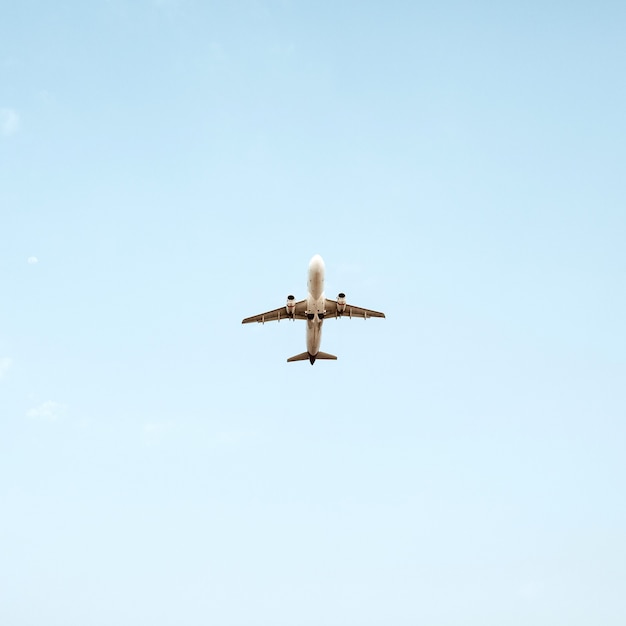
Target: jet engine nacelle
column 291, row 305
column 341, row 303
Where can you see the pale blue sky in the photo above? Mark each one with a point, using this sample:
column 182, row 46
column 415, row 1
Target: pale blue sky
column 168, row 168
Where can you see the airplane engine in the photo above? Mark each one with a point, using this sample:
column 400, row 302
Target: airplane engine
column 341, row 303
column 291, row 305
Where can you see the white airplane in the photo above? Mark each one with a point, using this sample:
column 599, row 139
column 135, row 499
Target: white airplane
column 315, row 309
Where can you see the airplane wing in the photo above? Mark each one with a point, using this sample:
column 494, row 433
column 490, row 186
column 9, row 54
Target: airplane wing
column 278, row 314
column 350, row 311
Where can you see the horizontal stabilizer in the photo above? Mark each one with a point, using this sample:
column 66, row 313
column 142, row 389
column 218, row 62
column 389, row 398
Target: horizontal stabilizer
column 325, row 355
column 305, row 356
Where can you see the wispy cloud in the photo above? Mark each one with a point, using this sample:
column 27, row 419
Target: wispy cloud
column 32, row 260
column 46, row 97
column 49, row 411
column 9, row 122
column 5, row 364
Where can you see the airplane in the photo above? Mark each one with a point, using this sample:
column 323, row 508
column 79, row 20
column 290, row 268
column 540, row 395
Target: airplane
column 314, row 310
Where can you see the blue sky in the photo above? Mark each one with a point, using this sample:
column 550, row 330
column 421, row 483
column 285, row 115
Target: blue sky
column 168, row 168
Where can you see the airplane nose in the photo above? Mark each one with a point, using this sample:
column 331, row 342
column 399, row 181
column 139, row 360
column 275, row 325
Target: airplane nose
column 316, row 261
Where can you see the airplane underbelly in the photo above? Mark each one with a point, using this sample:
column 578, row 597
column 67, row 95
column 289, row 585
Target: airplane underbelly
column 316, row 287
column 316, row 277
column 313, row 336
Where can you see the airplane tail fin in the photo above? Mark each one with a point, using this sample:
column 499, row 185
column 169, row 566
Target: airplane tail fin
column 312, row 357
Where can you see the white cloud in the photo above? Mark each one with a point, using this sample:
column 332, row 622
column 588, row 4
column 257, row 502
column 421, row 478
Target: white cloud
column 5, row 364
column 9, row 121
column 32, row 260
column 49, row 410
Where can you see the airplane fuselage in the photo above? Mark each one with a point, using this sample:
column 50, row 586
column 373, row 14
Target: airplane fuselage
column 316, row 301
